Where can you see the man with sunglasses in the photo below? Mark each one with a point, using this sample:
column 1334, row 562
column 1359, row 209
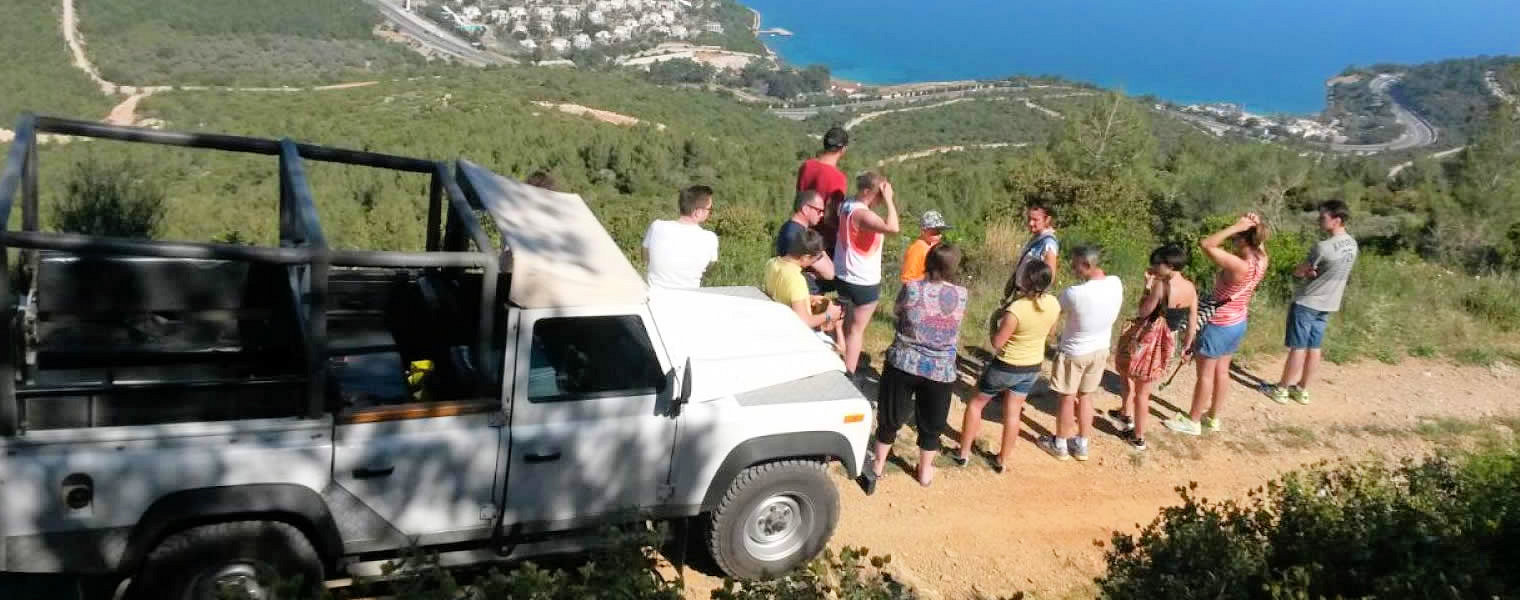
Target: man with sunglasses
column 807, row 213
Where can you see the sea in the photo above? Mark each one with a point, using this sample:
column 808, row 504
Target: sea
column 1272, row 56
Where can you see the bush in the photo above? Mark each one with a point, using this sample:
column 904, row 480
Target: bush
column 110, row 200
column 1441, row 528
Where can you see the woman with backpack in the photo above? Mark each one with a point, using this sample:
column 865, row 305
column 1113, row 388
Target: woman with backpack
column 1168, row 307
column 1224, row 316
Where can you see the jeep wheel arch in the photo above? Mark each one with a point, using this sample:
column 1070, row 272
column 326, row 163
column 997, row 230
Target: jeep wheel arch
column 296, row 505
column 771, row 448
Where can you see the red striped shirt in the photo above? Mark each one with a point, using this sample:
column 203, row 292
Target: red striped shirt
column 1238, row 292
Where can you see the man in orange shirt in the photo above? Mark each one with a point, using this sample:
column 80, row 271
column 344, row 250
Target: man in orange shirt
column 932, row 228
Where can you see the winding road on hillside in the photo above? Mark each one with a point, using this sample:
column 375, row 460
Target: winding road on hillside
column 1418, row 132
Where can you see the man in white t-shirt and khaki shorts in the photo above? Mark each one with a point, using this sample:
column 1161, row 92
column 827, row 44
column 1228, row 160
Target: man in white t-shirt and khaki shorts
column 678, row 252
column 1088, row 310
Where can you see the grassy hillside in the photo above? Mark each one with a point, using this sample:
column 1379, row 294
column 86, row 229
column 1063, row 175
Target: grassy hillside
column 232, row 42
column 35, row 71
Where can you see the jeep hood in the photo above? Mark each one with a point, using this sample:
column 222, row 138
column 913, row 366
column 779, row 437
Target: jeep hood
column 737, row 340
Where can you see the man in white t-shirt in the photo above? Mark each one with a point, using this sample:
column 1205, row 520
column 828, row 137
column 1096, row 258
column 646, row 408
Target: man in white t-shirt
column 1089, row 309
column 679, row 251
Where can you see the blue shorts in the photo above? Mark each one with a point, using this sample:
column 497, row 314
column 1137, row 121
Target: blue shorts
column 1306, row 328
column 857, row 295
column 1002, row 377
column 1220, row 340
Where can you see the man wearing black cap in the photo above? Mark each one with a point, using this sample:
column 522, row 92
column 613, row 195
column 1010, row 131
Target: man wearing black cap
column 821, row 174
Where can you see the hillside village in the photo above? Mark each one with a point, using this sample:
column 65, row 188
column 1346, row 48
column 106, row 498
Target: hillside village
column 560, row 28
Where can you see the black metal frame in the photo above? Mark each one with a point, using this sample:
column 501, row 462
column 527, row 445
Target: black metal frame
column 303, row 249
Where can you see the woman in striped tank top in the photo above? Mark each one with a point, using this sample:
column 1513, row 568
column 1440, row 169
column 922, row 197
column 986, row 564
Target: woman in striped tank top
column 1241, row 270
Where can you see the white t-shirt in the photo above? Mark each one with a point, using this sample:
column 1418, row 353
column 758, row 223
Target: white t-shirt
column 1090, row 309
column 678, row 254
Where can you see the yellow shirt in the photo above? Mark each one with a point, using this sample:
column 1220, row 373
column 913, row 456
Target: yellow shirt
column 784, row 282
column 913, row 261
column 1026, row 346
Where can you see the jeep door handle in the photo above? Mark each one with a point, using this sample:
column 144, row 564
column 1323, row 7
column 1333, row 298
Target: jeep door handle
column 541, row 457
column 373, row 473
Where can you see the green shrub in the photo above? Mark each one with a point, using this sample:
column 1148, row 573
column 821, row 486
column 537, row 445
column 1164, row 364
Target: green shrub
column 110, row 200
column 1441, row 528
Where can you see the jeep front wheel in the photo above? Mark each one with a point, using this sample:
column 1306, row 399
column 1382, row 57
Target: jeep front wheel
column 773, row 518
column 243, row 560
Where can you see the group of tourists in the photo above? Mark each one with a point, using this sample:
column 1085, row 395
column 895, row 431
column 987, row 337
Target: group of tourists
column 832, row 244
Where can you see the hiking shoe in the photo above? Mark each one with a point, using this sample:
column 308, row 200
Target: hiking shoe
column 1121, row 422
column 1210, row 424
column 1299, row 395
column 1135, row 443
column 1055, row 446
column 1184, row 424
column 1277, row 393
column 1078, row 447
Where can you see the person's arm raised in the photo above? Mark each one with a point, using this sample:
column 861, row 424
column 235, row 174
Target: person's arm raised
column 1213, row 246
column 823, row 267
column 870, row 221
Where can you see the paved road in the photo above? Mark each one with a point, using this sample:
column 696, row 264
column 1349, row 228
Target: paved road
column 801, row 113
column 1417, row 133
column 435, row 37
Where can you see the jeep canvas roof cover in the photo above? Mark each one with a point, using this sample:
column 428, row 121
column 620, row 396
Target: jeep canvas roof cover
column 561, row 255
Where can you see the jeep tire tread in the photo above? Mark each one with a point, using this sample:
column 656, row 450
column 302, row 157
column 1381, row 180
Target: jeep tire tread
column 773, row 518
column 178, row 567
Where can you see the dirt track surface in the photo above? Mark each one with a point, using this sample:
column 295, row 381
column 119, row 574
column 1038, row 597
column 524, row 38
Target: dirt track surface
column 1042, row 526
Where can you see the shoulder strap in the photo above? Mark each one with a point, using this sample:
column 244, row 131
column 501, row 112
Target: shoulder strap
column 1166, row 301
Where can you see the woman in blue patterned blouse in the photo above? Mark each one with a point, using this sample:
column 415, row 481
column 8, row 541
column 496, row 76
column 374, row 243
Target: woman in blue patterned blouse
column 920, row 366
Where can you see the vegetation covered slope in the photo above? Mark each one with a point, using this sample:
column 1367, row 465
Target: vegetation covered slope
column 235, row 42
column 35, row 72
column 1451, row 94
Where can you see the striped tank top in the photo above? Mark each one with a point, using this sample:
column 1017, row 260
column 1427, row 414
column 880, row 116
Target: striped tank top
column 1236, row 295
column 857, row 253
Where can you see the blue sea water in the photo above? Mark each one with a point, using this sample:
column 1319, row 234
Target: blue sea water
column 1270, row 55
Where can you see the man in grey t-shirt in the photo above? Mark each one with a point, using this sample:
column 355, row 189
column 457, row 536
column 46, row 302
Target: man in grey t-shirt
column 1326, row 272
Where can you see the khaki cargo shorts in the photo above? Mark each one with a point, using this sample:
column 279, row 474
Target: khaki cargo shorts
column 1072, row 375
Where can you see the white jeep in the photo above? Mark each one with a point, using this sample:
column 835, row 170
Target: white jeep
column 195, row 418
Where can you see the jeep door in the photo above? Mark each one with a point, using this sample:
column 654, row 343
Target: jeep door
column 592, row 428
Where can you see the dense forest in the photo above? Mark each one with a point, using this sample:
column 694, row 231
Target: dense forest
column 232, row 42
column 36, row 68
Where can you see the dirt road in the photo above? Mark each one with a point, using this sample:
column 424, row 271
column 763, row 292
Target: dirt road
column 1042, row 526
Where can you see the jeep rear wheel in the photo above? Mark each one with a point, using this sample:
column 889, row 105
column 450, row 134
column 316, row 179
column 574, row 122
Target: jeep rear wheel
column 773, row 518
column 241, row 560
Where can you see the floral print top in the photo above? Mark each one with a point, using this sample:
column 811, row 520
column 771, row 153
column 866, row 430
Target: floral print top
column 929, row 315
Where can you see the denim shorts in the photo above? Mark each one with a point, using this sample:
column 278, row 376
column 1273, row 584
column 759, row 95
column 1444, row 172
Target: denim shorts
column 857, row 295
column 1221, row 340
column 1306, row 328
column 1002, row 377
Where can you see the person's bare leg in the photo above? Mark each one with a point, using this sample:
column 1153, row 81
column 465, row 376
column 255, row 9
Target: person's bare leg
column 971, row 423
column 1085, row 411
column 1066, row 417
column 1203, row 389
column 1294, row 368
column 855, row 334
column 880, row 465
column 1311, row 364
column 926, row 466
column 1221, row 385
column 1013, row 414
column 1142, row 406
column 1127, row 400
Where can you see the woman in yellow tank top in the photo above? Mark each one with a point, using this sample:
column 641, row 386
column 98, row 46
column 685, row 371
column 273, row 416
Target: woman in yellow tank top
column 1020, row 340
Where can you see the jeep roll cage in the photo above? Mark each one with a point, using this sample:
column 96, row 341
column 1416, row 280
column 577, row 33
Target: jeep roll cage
column 303, row 257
